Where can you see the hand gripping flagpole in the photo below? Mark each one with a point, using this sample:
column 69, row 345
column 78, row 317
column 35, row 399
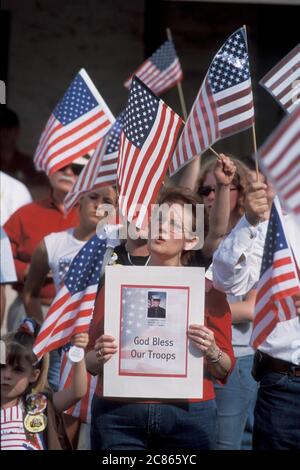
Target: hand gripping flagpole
column 181, row 95
column 253, row 125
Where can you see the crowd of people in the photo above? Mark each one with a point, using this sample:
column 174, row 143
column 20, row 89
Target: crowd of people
column 250, row 398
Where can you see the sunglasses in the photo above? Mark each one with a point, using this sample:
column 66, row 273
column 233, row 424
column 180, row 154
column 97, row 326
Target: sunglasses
column 206, row 190
column 76, row 169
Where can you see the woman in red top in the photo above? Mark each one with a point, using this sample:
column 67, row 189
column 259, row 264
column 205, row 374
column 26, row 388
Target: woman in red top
column 136, row 425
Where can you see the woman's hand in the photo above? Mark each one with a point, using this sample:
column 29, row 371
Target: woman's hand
column 80, row 340
column 224, row 170
column 204, row 340
column 105, row 347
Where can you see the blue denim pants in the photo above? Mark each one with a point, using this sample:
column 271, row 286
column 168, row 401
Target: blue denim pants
column 277, row 413
column 235, row 407
column 141, row 426
column 54, row 369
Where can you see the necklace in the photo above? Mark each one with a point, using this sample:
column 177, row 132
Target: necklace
column 130, row 261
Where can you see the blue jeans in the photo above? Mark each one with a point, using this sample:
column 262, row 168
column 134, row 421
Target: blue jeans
column 141, row 426
column 235, row 406
column 277, row 413
column 54, row 369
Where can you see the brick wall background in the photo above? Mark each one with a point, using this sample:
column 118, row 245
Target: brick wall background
column 50, row 40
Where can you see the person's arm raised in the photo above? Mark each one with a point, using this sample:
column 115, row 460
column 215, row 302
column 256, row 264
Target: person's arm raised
column 39, row 268
column 68, row 397
column 257, row 207
column 220, row 213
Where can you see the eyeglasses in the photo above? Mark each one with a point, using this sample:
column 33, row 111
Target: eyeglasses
column 174, row 226
column 206, row 190
column 76, row 169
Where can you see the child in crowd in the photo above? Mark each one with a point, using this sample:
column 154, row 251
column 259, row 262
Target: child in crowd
column 31, row 415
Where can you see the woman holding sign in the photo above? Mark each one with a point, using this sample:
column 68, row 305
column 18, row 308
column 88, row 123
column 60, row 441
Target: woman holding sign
column 133, row 424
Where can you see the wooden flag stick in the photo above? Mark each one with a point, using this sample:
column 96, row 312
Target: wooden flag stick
column 255, row 151
column 214, row 152
column 179, row 87
column 182, row 101
column 253, row 125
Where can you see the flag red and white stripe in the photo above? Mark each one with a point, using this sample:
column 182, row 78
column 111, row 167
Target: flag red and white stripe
column 101, row 170
column 278, row 283
column 75, row 127
column 283, row 81
column 82, row 409
column 279, row 158
column 67, row 316
column 145, row 152
column 224, row 104
column 71, row 311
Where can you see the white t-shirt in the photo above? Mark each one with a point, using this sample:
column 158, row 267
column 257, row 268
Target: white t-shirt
column 62, row 247
column 8, row 270
column 14, row 195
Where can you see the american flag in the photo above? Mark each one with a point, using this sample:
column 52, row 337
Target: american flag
column 72, row 308
column 278, row 281
column 161, row 71
column 101, row 169
column 279, row 158
column 134, row 323
column 147, row 143
column 79, row 121
column 283, row 80
column 224, row 104
column 82, row 409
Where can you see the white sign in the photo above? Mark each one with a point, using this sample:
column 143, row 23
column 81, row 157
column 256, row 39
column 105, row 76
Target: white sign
column 148, row 310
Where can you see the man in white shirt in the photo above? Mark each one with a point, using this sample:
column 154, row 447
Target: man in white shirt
column 236, row 269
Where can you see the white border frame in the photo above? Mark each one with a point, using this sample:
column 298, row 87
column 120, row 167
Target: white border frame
column 117, row 386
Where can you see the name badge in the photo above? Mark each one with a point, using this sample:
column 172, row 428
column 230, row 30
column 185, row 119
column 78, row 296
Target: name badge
column 35, row 423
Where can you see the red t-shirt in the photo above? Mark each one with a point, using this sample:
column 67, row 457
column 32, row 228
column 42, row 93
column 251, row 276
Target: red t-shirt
column 217, row 318
column 27, row 227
